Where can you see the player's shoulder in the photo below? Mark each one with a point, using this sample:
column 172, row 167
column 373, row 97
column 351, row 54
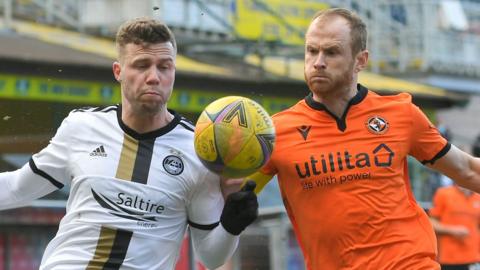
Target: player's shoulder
column 445, row 190
column 297, row 108
column 401, row 102
column 90, row 109
column 87, row 113
column 186, row 124
column 400, row 98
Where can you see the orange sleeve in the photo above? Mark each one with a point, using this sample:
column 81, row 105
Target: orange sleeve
column 426, row 143
column 438, row 206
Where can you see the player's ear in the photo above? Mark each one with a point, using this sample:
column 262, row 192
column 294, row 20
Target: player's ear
column 117, row 71
column 361, row 60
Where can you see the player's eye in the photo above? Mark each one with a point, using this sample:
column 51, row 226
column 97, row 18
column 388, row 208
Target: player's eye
column 164, row 67
column 330, row 52
column 311, row 50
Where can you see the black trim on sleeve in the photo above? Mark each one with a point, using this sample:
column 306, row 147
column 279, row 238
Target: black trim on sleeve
column 440, row 154
column 43, row 174
column 203, row 227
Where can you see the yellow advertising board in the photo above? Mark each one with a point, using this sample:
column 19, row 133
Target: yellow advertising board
column 274, row 20
column 99, row 93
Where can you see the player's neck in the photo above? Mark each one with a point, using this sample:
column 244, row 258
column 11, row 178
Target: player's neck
column 143, row 122
column 337, row 101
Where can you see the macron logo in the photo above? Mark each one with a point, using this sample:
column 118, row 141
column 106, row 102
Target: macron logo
column 99, row 152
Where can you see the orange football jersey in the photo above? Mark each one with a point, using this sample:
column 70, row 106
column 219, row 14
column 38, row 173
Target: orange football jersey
column 452, row 207
column 344, row 182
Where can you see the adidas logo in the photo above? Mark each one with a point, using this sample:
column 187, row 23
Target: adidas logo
column 99, row 152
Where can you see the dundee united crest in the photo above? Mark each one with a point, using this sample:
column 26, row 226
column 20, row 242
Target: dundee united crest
column 173, row 165
column 377, row 125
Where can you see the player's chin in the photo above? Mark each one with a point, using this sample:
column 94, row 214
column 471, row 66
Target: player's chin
column 319, row 88
column 152, row 106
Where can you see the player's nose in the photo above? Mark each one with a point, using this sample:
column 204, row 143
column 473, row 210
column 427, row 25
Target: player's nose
column 153, row 76
column 320, row 62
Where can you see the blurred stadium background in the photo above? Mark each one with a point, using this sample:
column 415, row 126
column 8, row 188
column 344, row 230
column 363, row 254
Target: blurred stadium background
column 56, row 55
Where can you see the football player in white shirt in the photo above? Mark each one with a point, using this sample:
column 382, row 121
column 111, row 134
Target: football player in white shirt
column 136, row 182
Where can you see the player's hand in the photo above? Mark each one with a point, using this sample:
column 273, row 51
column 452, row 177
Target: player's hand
column 459, row 232
column 240, row 210
column 230, row 185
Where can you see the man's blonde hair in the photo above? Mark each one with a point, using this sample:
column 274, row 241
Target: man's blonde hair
column 358, row 29
column 143, row 31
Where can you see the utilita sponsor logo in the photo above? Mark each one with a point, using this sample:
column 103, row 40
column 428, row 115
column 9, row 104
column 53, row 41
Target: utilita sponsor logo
column 381, row 156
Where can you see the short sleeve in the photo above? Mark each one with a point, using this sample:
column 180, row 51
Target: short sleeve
column 52, row 163
column 427, row 144
column 438, row 206
column 206, row 203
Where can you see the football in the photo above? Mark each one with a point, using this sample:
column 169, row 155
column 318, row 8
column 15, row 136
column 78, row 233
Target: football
column 234, row 136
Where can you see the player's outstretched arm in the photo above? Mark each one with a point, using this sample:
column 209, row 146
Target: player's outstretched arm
column 20, row 187
column 216, row 246
column 457, row 231
column 231, row 185
column 460, row 166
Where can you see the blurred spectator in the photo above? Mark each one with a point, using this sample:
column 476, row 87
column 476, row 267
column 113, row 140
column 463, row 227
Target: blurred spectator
column 455, row 216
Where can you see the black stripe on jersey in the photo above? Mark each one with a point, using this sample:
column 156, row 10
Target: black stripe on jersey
column 119, row 250
column 104, row 109
column 108, row 109
column 203, row 227
column 440, row 154
column 97, row 109
column 142, row 161
column 43, row 174
column 186, row 125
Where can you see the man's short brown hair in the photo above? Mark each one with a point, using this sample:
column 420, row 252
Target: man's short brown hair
column 143, row 31
column 358, row 29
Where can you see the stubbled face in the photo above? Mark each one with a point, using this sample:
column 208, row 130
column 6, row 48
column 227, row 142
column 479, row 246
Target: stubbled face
column 329, row 64
column 146, row 74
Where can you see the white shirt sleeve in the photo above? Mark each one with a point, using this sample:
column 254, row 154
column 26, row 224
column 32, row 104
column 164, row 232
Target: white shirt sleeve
column 46, row 172
column 22, row 186
column 213, row 247
column 212, row 244
column 52, row 163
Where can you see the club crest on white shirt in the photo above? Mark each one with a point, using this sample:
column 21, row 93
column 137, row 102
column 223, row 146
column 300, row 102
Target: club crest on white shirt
column 173, row 165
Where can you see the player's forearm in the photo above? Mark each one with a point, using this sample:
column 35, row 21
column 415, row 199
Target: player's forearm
column 475, row 165
column 20, row 187
column 214, row 247
column 439, row 227
column 461, row 167
column 260, row 179
column 471, row 176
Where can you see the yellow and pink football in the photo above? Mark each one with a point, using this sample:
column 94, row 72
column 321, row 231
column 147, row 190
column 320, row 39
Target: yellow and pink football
column 234, row 136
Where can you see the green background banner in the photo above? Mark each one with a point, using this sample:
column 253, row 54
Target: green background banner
column 98, row 93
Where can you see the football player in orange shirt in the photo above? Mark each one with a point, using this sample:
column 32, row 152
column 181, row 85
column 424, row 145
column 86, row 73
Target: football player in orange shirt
column 341, row 160
column 455, row 217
